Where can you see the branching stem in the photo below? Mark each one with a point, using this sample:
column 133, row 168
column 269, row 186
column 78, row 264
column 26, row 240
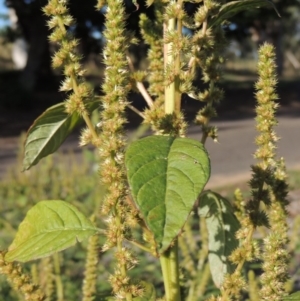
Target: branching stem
column 209, row 104
column 140, row 86
column 135, row 110
column 140, row 246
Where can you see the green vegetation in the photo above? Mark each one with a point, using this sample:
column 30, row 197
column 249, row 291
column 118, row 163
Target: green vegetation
column 228, row 190
column 148, row 199
column 78, row 185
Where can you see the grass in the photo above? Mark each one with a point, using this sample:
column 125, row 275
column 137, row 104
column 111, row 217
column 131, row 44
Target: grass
column 67, row 178
column 75, row 180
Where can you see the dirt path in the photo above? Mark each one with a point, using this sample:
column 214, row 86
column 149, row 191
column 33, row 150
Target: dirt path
column 232, row 156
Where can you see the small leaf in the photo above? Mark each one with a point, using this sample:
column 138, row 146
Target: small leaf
column 230, row 9
column 49, row 131
column 49, row 227
column 292, row 297
column 222, row 225
column 166, row 176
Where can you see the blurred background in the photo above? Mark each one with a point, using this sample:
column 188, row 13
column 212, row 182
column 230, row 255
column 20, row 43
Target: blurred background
column 28, row 83
column 28, row 86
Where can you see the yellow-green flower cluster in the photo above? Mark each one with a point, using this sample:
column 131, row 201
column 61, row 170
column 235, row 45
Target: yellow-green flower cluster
column 80, row 92
column 20, row 281
column 265, row 95
column 114, row 102
column 269, row 191
column 152, row 32
column 173, row 60
column 115, row 206
column 208, row 45
column 275, row 254
column 90, row 274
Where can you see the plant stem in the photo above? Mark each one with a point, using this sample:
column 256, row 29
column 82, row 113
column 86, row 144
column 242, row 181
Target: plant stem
column 89, row 124
column 170, row 271
column 140, row 86
column 34, row 273
column 177, row 66
column 58, row 282
column 141, row 246
column 209, row 104
column 145, row 94
column 203, row 281
column 169, row 60
column 169, row 259
column 135, row 110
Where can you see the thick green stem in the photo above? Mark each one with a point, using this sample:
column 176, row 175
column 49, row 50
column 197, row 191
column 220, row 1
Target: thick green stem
column 177, row 66
column 169, row 260
column 169, row 60
column 170, row 271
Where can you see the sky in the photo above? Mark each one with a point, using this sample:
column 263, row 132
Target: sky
column 3, row 10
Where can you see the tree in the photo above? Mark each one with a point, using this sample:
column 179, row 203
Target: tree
column 32, row 23
column 265, row 25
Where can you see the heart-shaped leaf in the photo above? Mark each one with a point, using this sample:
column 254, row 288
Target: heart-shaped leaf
column 49, row 131
column 222, row 225
column 231, row 8
column 49, row 227
column 166, row 176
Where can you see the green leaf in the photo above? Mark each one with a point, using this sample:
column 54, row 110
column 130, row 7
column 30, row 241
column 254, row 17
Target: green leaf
column 49, row 227
column 49, row 131
column 166, row 176
column 292, row 297
column 222, row 225
column 230, row 9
